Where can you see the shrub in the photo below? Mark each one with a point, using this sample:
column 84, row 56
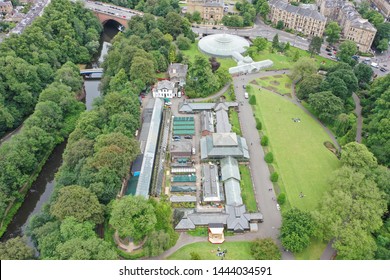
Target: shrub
column 258, row 124
column 195, row 256
column 269, row 157
column 264, row 140
column 281, row 198
column 274, row 177
column 252, row 100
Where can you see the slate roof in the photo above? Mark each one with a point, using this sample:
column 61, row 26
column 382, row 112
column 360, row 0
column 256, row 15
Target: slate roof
column 177, row 70
column 192, row 107
column 225, row 139
column 210, row 183
column 223, row 125
column 298, row 10
column 209, row 150
column 165, row 84
column 206, row 121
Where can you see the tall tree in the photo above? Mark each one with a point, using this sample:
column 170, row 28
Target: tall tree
column 133, row 216
column 304, row 67
column 357, row 155
column 275, row 42
column 332, row 32
column 308, row 85
column 16, row 249
column 260, row 43
column 297, row 229
column 265, row 249
column 77, row 202
column 315, row 45
column 156, row 243
column 346, row 51
column 363, row 73
column 326, row 105
column 350, row 211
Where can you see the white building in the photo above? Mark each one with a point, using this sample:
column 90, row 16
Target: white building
column 164, row 89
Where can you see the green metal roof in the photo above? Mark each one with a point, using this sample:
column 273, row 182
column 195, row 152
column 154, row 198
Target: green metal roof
column 184, row 178
column 184, row 132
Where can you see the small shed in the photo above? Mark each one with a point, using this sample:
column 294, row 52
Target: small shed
column 216, row 235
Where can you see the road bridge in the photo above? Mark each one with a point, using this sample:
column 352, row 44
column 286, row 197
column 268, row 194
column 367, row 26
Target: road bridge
column 106, row 12
column 91, row 71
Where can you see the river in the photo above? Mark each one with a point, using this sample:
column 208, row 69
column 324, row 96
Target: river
column 42, row 188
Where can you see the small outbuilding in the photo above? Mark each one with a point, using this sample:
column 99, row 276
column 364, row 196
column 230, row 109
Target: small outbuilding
column 216, row 235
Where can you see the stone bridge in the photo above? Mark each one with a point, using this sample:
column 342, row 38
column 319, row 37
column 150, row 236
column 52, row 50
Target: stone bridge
column 105, row 12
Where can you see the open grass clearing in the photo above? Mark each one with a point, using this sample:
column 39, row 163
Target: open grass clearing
column 278, row 83
column 247, row 193
column 233, row 118
column 239, row 250
column 313, row 252
column 304, row 164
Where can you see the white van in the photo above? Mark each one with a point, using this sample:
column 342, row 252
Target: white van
column 375, row 65
column 193, row 150
column 246, row 95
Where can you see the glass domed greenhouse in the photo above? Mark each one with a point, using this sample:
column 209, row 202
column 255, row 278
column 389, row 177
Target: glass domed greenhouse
column 222, row 45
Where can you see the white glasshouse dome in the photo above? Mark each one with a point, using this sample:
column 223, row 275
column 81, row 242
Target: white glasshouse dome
column 222, row 45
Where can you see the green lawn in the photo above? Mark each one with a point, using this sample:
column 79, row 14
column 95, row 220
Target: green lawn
column 239, row 250
column 233, row 118
column 302, row 161
column 282, row 61
column 313, row 252
column 247, row 194
column 277, row 83
column 193, row 51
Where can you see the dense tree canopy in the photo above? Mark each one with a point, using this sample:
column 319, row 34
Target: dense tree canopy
column 326, row 105
column 65, row 32
column 133, row 216
column 332, row 32
column 297, row 229
column 304, row 67
column 77, row 202
column 265, row 249
column 53, row 119
column 16, row 249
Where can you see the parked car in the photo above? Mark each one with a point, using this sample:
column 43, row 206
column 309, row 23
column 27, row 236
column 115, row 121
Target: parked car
column 328, row 49
column 246, row 95
column 330, row 54
column 356, row 57
column 244, row 86
column 383, row 69
column 188, row 137
column 375, row 65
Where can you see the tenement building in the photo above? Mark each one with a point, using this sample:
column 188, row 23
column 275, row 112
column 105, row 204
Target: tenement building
column 210, row 10
column 6, row 7
column 302, row 19
column 355, row 28
column 383, row 6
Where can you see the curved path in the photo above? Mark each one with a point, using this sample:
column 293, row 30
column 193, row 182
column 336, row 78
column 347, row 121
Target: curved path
column 214, row 96
column 359, row 121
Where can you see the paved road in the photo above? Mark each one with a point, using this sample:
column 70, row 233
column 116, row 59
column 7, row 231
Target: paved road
column 358, row 112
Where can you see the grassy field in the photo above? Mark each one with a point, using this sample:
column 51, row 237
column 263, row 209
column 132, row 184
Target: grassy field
column 233, row 118
column 313, row 252
column 302, row 161
column 282, row 61
column 239, row 250
column 193, row 51
column 277, row 83
column 247, row 194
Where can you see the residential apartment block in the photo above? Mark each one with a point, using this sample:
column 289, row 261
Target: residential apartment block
column 306, row 20
column 6, row 7
column 355, row 28
column 383, row 6
column 210, row 10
